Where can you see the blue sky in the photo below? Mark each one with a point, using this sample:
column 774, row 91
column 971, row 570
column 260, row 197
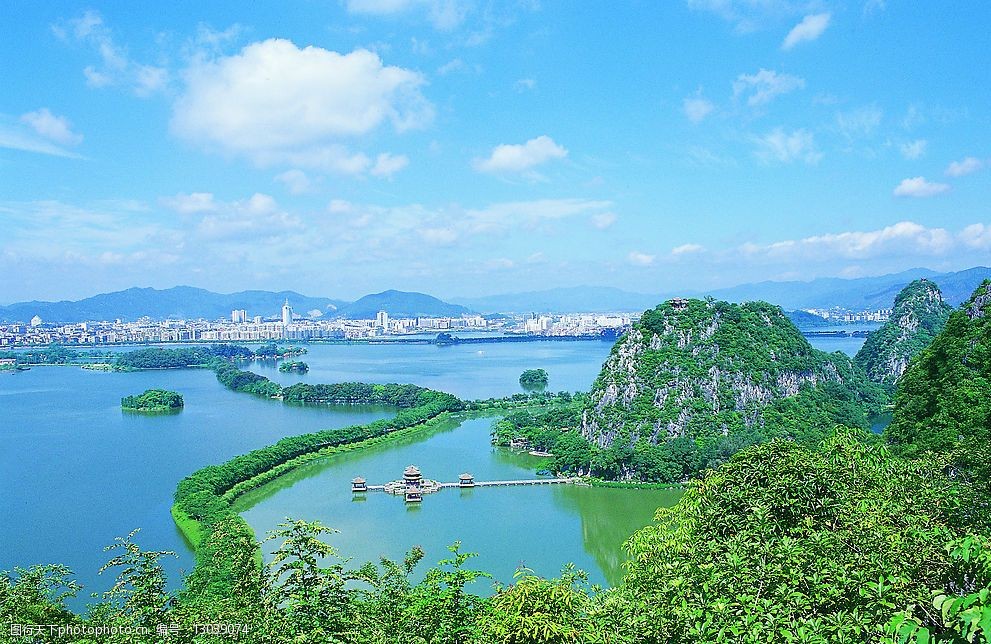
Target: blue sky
column 464, row 147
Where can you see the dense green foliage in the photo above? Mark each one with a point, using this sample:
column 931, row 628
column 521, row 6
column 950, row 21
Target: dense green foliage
column 786, row 543
column 52, row 354
column 244, row 381
column 354, row 393
column 533, row 379
column 944, row 398
column 918, row 316
column 273, row 350
column 292, row 366
column 153, row 400
column 692, row 384
column 179, row 358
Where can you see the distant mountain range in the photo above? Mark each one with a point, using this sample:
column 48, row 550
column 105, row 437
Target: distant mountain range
column 180, row 302
column 190, row 303
column 400, row 304
column 856, row 294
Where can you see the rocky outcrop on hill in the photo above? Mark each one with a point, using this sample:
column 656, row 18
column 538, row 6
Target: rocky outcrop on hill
column 720, row 372
column 918, row 316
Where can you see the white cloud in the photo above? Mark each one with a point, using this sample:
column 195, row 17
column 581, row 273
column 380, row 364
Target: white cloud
column 914, row 149
column 19, row 138
column 295, row 180
column 786, row 147
column 191, row 203
column 603, row 220
column 444, row 15
column 964, row 166
column 859, row 122
column 50, row 126
column 903, row 238
column 808, row 30
column 276, row 103
column 686, row 249
column 115, row 66
column 761, row 88
column 638, row 258
column 976, row 236
column 519, row 158
column 697, row 108
column 919, row 187
column 387, row 164
column 257, row 217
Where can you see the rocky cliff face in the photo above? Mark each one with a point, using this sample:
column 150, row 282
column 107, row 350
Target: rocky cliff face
column 699, row 369
column 918, row 316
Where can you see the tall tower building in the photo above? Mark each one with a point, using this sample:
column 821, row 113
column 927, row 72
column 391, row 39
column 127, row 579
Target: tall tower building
column 286, row 314
column 382, row 320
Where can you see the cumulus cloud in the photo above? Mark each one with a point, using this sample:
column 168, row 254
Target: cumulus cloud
column 786, row 147
column 903, row 238
column 52, row 127
column 638, row 258
column 914, row 149
column 761, row 88
column 521, row 157
column 697, row 108
column 919, row 187
column 116, row 67
column 809, row 29
column 444, row 15
column 276, row 103
column 964, row 166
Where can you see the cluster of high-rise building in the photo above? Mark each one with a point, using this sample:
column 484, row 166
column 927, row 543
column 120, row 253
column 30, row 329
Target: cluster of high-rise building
column 242, row 327
column 845, row 316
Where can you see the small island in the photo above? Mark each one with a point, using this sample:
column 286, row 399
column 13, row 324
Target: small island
column 153, row 401
column 533, row 379
column 294, row 367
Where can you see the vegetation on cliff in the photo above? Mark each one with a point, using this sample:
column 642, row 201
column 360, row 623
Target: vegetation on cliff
column 153, row 400
column 919, row 314
column 696, row 381
column 944, row 398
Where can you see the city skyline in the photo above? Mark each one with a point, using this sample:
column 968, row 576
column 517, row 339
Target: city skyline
column 469, row 148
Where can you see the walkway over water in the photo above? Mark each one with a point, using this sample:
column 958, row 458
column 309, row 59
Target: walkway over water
column 497, row 483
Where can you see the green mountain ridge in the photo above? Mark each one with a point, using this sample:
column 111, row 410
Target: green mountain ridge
column 918, row 315
column 944, row 397
column 721, row 376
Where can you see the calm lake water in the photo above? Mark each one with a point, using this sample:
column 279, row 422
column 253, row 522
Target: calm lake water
column 77, row 472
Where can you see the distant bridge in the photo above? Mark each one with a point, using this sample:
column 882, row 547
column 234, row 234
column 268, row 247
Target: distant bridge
column 556, row 481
